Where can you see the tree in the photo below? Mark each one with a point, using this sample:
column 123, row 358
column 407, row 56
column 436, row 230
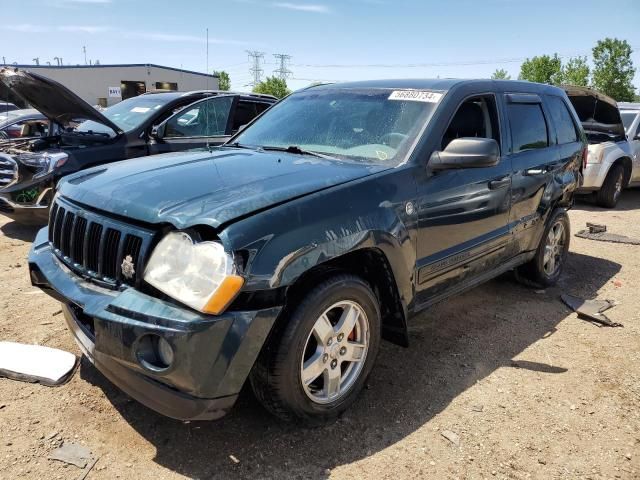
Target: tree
column 542, row 69
column 500, row 74
column 224, row 82
column 613, row 69
column 273, row 86
column 576, row 72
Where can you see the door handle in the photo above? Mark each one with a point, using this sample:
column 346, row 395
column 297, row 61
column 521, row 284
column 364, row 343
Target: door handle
column 503, row 182
column 535, row 171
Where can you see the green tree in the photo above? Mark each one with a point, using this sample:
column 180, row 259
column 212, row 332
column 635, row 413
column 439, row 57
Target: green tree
column 273, row 86
column 500, row 74
column 542, row 69
column 576, row 72
column 613, row 69
column 224, row 82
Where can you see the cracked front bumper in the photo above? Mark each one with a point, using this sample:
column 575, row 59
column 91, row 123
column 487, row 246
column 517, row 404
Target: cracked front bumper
column 212, row 354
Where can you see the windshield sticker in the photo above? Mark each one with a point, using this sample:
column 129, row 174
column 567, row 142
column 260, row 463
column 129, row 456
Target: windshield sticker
column 382, row 155
column 415, row 96
column 140, row 109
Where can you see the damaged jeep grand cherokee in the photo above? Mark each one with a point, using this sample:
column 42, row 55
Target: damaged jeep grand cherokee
column 283, row 257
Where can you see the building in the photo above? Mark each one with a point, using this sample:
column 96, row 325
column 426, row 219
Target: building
column 108, row 84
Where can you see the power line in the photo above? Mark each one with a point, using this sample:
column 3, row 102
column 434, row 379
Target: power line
column 255, row 68
column 282, row 72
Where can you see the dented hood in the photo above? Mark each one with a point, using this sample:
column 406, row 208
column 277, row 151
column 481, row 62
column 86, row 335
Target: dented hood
column 205, row 187
column 53, row 100
column 598, row 113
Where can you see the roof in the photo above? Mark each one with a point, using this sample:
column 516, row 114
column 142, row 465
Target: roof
column 113, row 65
column 442, row 84
column 177, row 94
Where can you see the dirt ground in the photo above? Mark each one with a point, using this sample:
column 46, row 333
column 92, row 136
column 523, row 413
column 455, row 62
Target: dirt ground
column 530, row 390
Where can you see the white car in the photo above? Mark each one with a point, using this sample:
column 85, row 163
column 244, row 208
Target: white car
column 630, row 113
column 611, row 163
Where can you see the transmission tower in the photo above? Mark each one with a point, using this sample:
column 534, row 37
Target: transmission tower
column 255, row 66
column 282, row 72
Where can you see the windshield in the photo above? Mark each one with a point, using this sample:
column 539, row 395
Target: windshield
column 627, row 119
column 128, row 114
column 370, row 125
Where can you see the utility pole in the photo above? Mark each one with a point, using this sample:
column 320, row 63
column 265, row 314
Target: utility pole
column 84, row 50
column 282, row 72
column 4, row 61
column 255, row 68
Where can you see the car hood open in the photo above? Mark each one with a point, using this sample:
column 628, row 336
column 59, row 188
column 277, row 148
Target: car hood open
column 53, row 100
column 598, row 113
column 205, row 187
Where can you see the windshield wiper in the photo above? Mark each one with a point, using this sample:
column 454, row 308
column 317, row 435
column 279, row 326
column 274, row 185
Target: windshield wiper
column 296, row 150
column 238, row 145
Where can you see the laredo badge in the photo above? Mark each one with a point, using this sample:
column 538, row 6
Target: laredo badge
column 127, row 267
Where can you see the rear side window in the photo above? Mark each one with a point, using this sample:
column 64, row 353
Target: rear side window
column 565, row 128
column 528, row 127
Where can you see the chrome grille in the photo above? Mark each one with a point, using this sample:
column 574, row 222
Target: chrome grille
column 8, row 171
column 94, row 246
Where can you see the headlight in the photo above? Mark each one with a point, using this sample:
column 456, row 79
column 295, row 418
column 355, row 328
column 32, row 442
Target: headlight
column 44, row 162
column 200, row 275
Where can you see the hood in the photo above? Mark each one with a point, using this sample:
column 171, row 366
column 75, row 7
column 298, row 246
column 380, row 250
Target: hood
column 598, row 113
column 205, row 187
column 53, row 100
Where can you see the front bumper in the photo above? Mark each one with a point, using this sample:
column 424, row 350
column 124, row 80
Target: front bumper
column 212, row 354
column 36, row 213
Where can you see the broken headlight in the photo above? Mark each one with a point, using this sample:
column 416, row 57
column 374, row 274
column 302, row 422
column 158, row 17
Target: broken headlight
column 44, row 162
column 201, row 275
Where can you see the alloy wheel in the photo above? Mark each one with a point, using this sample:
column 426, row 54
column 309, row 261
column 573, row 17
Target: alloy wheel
column 554, row 248
column 335, row 352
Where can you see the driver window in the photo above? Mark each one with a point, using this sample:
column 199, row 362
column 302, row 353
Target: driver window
column 207, row 118
column 476, row 117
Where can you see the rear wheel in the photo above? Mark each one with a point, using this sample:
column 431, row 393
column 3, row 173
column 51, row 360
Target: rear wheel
column 314, row 367
column 611, row 190
column 546, row 266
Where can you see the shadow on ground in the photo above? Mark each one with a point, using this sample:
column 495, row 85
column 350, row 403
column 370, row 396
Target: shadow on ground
column 630, row 200
column 453, row 345
column 26, row 233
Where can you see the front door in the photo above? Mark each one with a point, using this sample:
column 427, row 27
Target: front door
column 463, row 213
column 205, row 122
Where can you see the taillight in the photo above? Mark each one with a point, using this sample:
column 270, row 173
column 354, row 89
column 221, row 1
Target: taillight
column 585, row 153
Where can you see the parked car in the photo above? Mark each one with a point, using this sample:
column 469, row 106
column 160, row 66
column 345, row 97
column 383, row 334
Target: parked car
column 27, row 123
column 630, row 113
column 7, row 107
column 611, row 166
column 286, row 255
column 83, row 137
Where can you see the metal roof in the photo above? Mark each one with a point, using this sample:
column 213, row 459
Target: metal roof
column 114, row 65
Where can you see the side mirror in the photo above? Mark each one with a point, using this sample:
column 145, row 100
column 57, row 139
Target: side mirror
column 468, row 152
column 157, row 131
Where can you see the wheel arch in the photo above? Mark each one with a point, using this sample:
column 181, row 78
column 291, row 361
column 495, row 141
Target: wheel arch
column 627, row 165
column 372, row 266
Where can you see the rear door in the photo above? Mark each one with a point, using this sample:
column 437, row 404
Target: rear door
column 205, row 122
column 536, row 159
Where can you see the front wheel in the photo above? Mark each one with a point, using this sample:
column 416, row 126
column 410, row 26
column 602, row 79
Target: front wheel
column 546, row 266
column 314, row 367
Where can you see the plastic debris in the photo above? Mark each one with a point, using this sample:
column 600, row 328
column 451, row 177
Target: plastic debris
column 592, row 310
column 73, row 454
column 35, row 363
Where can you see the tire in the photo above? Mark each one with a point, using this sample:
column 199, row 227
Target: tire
column 297, row 348
column 545, row 268
column 611, row 189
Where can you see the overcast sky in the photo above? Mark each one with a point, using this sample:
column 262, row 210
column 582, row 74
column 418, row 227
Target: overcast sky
column 329, row 40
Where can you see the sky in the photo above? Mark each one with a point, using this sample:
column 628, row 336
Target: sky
column 328, row 40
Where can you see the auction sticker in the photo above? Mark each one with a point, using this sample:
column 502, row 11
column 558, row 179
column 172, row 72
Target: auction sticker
column 415, row 96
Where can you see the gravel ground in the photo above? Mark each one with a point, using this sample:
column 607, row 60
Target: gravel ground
column 524, row 387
